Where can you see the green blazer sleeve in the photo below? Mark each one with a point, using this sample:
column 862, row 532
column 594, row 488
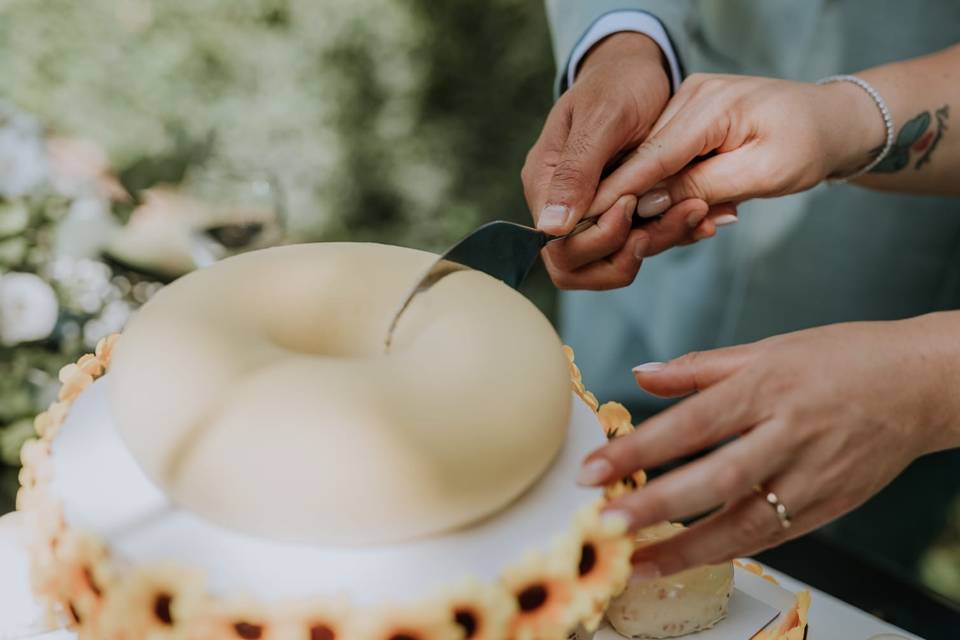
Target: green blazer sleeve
column 571, row 19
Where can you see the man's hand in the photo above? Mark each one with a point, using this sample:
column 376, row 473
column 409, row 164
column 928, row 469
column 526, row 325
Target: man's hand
column 620, row 92
column 824, row 418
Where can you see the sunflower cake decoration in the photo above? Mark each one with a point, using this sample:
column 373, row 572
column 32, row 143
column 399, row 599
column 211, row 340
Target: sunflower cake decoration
column 156, row 508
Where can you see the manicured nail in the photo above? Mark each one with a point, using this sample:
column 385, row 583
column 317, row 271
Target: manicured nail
column 640, row 247
column 653, row 203
column 594, row 472
column 695, row 218
column 645, row 571
column 615, row 519
column 553, row 217
column 725, row 219
column 648, row 367
column 701, row 233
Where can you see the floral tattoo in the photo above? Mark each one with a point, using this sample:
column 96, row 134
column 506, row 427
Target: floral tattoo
column 917, row 136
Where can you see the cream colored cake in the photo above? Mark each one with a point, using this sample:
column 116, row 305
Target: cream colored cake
column 234, row 384
column 246, row 462
column 675, row 605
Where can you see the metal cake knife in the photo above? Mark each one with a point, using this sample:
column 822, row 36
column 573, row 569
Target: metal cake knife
column 504, row 250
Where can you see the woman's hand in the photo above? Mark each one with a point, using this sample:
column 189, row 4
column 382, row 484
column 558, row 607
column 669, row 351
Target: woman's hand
column 749, row 137
column 824, row 418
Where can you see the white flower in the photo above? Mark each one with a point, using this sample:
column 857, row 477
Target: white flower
column 28, row 308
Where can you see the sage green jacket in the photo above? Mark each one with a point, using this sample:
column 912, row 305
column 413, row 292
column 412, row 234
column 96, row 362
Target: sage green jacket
column 833, row 254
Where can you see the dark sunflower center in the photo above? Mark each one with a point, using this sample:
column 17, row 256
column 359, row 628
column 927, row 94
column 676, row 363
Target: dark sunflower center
column 161, row 608
column 532, row 598
column 88, row 576
column 588, row 559
column 322, row 632
column 74, row 613
column 248, row 631
column 468, row 622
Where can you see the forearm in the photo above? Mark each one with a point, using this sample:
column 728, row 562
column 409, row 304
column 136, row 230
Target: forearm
column 923, row 95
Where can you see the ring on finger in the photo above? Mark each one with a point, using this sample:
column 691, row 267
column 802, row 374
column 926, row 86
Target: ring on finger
column 774, row 501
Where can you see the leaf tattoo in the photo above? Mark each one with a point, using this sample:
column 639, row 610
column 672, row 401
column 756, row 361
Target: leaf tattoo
column 914, row 136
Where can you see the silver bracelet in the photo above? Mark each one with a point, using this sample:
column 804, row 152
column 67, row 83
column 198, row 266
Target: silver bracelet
column 884, row 113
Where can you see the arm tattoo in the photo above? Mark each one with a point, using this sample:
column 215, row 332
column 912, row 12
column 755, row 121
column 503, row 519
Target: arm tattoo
column 917, row 136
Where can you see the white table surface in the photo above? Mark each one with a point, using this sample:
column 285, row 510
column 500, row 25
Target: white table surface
column 830, row 618
column 834, row 619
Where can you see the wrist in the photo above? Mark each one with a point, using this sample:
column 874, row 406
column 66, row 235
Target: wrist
column 624, row 45
column 854, row 128
column 937, row 352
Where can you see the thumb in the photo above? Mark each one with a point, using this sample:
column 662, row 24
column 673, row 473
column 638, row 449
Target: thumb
column 692, row 372
column 591, row 144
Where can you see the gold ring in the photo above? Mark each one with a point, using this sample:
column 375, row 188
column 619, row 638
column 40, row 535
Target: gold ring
column 779, row 508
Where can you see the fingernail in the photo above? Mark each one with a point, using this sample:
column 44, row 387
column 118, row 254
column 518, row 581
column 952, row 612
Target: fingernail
column 725, row 219
column 701, row 234
column 640, row 247
column 648, row 367
column 552, row 217
column 696, row 217
column 615, row 519
column 594, row 472
column 653, row 203
column 644, row 572
column 629, row 206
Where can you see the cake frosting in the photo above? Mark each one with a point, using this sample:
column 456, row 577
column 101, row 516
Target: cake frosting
column 121, row 548
column 234, row 368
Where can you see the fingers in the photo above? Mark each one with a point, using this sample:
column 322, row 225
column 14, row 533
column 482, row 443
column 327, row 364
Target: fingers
column 745, row 528
column 594, row 138
column 692, row 372
column 722, row 477
column 603, row 239
column 542, row 158
column 725, row 410
column 580, row 263
column 689, row 134
column 676, row 227
column 612, row 272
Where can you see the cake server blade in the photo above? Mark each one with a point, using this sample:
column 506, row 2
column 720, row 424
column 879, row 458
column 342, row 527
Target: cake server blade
column 504, row 250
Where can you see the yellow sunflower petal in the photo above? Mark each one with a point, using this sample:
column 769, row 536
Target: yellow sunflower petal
column 74, row 380
column 327, row 618
column 615, row 420
column 104, row 349
column 604, row 562
column 549, row 605
column 428, row 620
column 158, row 602
column 482, row 611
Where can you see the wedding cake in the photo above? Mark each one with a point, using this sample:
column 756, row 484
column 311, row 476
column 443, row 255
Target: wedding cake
column 247, row 461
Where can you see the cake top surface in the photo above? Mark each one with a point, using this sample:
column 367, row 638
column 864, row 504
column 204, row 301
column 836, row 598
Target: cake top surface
column 257, row 394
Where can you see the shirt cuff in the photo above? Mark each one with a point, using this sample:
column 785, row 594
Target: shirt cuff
column 617, row 21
